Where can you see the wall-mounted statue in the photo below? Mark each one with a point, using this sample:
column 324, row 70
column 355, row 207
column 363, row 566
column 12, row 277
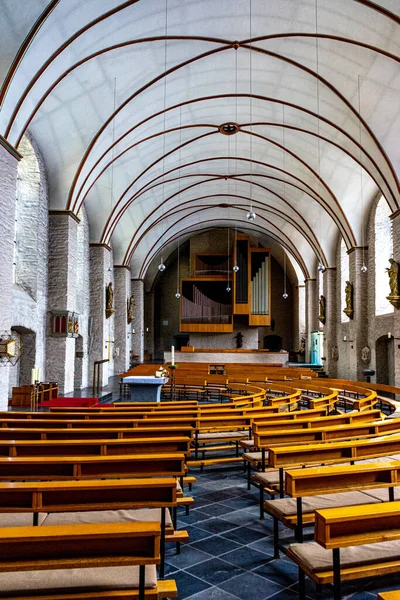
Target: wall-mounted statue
column 349, row 308
column 322, row 310
column 239, row 339
column 131, row 310
column 109, row 300
column 393, row 272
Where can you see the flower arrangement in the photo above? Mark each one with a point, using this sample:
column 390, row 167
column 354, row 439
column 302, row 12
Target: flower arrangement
column 162, row 372
column 171, row 367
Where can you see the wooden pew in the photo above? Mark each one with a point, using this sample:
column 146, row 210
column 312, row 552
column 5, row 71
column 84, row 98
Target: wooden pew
column 89, row 433
column 49, row 563
column 95, row 447
column 354, row 526
column 344, row 485
column 289, row 457
column 97, row 497
column 91, row 467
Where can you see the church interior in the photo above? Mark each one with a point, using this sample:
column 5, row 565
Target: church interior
column 200, row 299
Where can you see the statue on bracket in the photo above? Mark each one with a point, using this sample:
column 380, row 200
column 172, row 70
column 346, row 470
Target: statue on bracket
column 131, row 309
column 322, row 310
column 109, row 300
column 349, row 308
column 393, row 272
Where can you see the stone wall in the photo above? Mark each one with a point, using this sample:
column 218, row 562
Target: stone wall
column 8, row 178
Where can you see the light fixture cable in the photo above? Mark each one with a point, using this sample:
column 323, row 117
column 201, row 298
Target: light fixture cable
column 364, row 267
column 161, row 266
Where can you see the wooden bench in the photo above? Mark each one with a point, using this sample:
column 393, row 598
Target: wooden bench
column 95, row 447
column 102, row 502
column 82, row 561
column 330, row 487
column 308, row 455
column 91, row 467
column 23, row 433
column 350, row 543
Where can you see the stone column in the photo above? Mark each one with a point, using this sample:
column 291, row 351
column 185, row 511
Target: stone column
column 8, row 182
column 330, row 327
column 102, row 330
column 311, row 313
column 122, row 293
column 358, row 325
column 63, row 241
column 137, row 287
column 149, row 323
column 396, row 314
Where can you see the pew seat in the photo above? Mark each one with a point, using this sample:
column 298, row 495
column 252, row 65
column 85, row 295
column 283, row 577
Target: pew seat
column 99, row 579
column 222, row 435
column 108, row 516
column 316, row 559
column 284, row 508
column 15, row 519
column 82, row 561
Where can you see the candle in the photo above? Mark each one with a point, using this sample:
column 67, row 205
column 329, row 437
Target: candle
column 172, row 355
column 37, row 374
column 32, row 376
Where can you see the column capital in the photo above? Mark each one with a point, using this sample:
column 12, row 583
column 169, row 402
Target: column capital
column 122, row 267
column 100, row 245
column 354, row 248
column 64, row 213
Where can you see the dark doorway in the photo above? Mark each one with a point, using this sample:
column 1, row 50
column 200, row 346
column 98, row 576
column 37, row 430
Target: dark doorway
column 273, row 343
column 384, row 360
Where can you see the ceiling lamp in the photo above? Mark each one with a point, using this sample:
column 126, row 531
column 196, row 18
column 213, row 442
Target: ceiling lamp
column 161, row 266
column 321, row 268
column 251, row 215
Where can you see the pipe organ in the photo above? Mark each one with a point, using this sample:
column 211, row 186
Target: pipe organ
column 207, row 306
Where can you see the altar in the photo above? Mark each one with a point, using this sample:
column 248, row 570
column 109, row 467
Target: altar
column 231, row 355
column 145, row 388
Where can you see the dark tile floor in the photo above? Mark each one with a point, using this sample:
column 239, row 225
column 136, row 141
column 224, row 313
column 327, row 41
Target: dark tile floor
column 230, row 552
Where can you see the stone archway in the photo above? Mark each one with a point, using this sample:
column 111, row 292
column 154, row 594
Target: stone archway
column 20, row 374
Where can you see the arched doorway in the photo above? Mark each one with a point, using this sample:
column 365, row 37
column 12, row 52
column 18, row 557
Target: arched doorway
column 273, row 343
column 384, row 360
column 20, row 374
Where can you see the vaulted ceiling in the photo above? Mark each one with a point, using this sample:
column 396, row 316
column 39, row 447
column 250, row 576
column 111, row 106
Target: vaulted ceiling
column 127, row 101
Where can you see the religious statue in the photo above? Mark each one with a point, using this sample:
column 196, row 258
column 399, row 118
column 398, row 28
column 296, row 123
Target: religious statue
column 131, row 309
column 393, row 273
column 239, row 339
column 349, row 309
column 322, row 309
column 109, row 300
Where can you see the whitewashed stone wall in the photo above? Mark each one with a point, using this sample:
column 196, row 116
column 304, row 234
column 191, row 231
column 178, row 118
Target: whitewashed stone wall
column 29, row 303
column 82, row 304
column 8, row 178
column 63, row 244
column 137, row 287
column 122, row 292
column 102, row 334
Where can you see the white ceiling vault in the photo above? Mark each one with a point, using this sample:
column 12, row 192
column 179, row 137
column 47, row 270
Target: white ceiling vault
column 126, row 99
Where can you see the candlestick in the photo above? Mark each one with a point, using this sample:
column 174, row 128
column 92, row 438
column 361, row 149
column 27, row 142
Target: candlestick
column 172, row 355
